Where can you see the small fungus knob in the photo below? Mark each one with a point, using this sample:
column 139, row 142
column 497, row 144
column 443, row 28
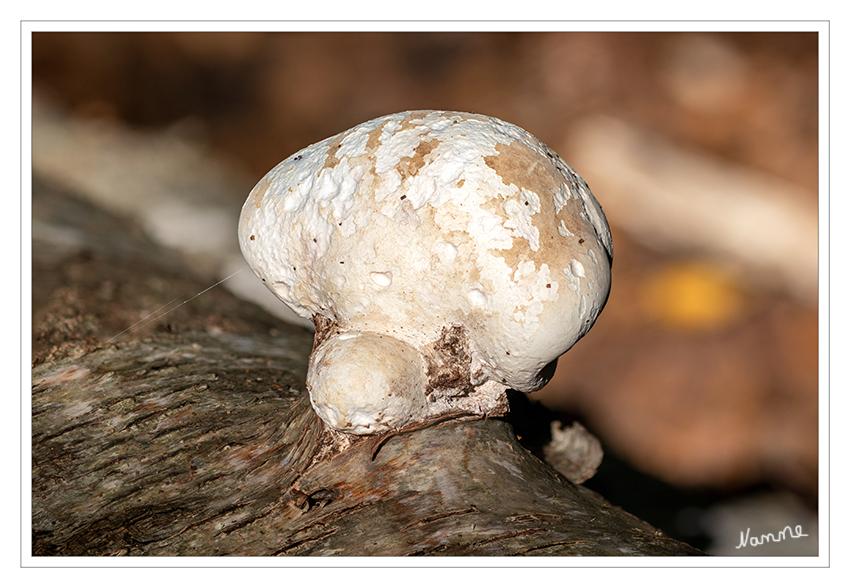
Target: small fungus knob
column 366, row 383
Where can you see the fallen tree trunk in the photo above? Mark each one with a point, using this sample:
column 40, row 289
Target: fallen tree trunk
column 194, row 436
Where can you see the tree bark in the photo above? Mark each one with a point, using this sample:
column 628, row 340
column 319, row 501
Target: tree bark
column 195, row 436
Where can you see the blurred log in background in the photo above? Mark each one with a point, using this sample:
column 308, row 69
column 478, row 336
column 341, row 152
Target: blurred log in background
column 700, row 376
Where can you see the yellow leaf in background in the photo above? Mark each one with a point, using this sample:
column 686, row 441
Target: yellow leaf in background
column 691, row 295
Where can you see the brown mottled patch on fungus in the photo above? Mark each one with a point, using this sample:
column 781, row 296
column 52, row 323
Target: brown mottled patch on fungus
column 410, row 166
column 331, row 159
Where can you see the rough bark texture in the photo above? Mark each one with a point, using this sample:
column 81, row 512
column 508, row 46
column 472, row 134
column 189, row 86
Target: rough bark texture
column 194, row 436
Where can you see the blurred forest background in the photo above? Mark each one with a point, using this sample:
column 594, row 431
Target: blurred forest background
column 701, row 375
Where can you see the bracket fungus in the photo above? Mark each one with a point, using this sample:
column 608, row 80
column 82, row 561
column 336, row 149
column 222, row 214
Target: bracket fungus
column 444, row 258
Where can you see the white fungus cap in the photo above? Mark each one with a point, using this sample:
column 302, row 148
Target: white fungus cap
column 454, row 237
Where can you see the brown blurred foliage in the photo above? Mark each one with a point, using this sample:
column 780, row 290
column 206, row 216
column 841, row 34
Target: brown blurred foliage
column 697, row 377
